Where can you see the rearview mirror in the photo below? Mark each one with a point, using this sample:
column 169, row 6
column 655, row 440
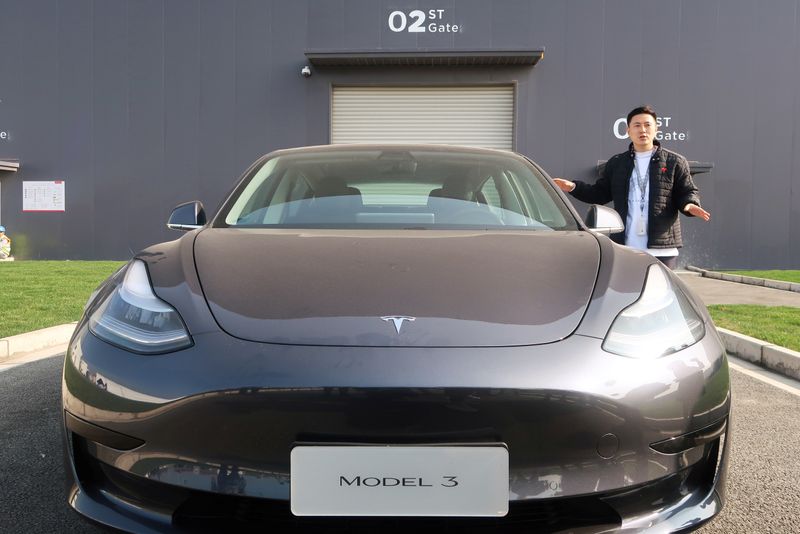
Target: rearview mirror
column 187, row 216
column 604, row 220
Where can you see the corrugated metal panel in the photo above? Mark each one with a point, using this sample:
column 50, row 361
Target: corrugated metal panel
column 464, row 115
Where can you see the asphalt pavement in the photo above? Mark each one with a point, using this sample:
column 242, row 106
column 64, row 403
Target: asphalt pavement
column 722, row 292
column 763, row 489
column 33, row 497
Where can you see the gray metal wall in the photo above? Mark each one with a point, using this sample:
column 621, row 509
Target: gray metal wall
column 141, row 104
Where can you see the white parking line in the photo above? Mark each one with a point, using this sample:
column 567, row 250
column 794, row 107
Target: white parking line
column 787, row 384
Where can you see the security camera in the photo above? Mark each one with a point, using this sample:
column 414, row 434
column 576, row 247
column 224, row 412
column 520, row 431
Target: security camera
column 306, row 71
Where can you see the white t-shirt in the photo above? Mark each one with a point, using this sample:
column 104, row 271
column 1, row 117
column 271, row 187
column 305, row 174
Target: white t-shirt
column 637, row 213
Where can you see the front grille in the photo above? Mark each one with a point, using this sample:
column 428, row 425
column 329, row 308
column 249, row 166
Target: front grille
column 199, row 511
column 213, row 513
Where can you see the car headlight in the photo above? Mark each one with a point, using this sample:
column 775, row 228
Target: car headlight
column 134, row 318
column 661, row 322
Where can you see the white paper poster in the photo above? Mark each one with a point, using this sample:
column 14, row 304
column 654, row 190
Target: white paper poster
column 43, row 196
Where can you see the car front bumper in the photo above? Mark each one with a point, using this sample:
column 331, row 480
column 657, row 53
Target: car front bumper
column 211, row 428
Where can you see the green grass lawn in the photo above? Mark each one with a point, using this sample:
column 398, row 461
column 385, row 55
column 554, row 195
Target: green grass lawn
column 786, row 276
column 775, row 324
column 38, row 294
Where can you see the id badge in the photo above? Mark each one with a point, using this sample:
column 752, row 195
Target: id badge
column 641, row 229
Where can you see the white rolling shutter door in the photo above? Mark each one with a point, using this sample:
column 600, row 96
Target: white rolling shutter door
column 475, row 116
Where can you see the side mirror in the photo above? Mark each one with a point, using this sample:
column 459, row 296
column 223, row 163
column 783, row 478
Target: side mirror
column 187, row 216
column 604, row 220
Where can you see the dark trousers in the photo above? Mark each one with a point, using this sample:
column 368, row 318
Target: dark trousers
column 669, row 261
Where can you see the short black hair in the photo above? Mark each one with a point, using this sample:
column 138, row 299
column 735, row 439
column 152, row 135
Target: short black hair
column 642, row 109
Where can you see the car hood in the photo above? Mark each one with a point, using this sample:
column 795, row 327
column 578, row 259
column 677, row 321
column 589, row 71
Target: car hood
column 352, row 287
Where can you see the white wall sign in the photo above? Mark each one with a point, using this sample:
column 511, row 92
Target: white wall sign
column 418, row 21
column 43, row 196
column 5, row 135
column 666, row 130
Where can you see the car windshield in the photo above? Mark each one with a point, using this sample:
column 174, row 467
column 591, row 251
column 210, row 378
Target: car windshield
column 396, row 188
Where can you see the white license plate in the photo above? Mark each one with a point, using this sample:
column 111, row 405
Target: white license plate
column 463, row 481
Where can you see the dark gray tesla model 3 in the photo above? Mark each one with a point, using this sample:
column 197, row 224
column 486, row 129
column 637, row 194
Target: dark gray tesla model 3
column 368, row 337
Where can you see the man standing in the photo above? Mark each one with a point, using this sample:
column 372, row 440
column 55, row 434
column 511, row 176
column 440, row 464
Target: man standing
column 649, row 186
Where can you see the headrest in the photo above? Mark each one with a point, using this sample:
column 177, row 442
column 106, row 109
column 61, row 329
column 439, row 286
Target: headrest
column 458, row 188
column 333, row 186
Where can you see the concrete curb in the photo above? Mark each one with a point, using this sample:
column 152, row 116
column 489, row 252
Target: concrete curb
column 779, row 359
column 36, row 340
column 750, row 280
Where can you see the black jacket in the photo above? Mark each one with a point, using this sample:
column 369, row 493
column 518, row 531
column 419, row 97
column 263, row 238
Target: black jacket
column 671, row 188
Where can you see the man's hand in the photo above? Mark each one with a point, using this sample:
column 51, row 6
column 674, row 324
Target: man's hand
column 697, row 211
column 564, row 185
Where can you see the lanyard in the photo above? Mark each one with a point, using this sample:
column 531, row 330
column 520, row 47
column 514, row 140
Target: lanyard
column 642, row 182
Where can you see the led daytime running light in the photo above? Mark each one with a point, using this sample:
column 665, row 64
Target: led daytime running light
column 134, row 318
column 661, row 322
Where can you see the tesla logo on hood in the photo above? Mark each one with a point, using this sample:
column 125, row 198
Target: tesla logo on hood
column 397, row 320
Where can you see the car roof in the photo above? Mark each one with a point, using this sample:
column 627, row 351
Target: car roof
column 396, row 147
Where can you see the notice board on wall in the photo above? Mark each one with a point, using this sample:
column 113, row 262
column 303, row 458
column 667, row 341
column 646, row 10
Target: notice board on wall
column 43, row 196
